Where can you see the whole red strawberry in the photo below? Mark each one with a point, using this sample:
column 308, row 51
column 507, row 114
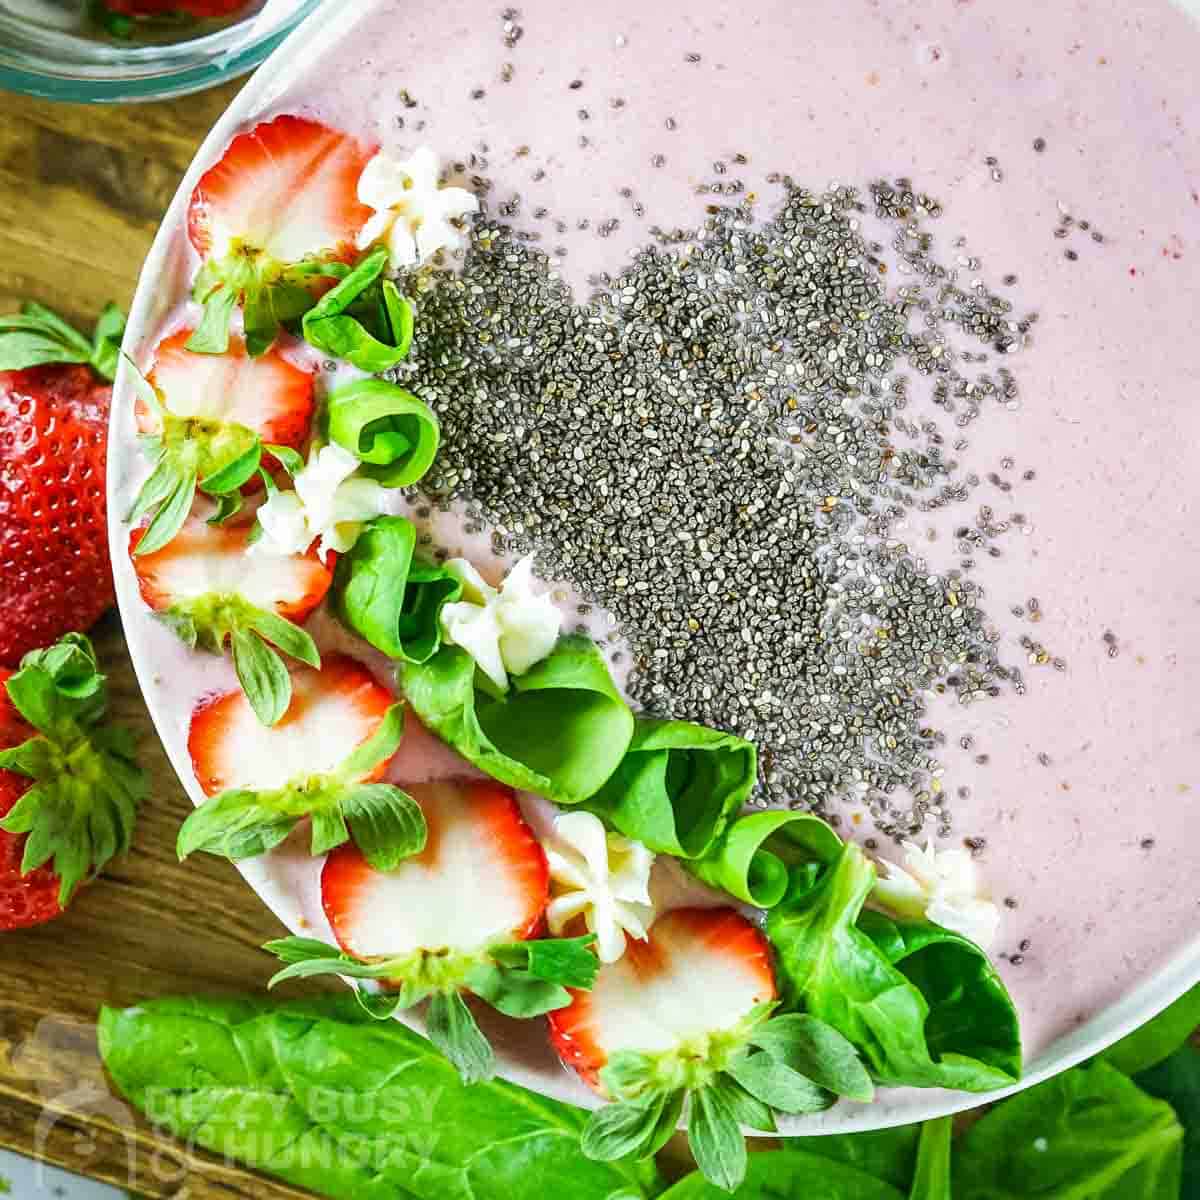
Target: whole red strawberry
column 55, row 574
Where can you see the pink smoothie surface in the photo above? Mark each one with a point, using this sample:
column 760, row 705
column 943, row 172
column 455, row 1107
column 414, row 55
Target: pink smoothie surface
column 1085, row 791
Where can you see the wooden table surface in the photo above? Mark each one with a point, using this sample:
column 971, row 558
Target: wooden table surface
column 81, row 193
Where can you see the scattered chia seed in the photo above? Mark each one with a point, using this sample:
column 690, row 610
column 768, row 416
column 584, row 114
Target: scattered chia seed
column 575, row 84
column 1039, row 144
column 691, row 58
column 714, row 449
column 1071, row 255
column 1024, row 945
column 1147, row 843
column 1010, row 902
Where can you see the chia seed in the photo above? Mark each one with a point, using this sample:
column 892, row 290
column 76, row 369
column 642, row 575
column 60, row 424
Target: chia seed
column 713, row 449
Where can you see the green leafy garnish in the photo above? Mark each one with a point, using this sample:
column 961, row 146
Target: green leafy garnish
column 190, row 454
column 271, row 294
column 317, row 1094
column 80, row 810
column 760, row 855
column 364, row 319
column 743, row 1076
column 560, row 731
column 254, row 636
column 387, row 824
column 36, row 337
column 519, row 979
column 394, row 434
column 924, row 1006
column 389, row 595
column 677, row 786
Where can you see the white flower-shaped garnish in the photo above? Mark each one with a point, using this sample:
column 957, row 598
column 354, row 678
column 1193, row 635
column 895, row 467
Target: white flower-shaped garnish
column 601, row 877
column 506, row 631
column 940, row 885
column 415, row 216
column 328, row 503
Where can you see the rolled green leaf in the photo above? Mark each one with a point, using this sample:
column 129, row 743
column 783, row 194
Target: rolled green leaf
column 393, row 433
column 678, row 786
column 755, row 857
column 364, row 319
column 389, row 596
column 560, row 731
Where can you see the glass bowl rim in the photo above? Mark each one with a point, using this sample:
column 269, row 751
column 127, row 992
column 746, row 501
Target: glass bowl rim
column 199, row 64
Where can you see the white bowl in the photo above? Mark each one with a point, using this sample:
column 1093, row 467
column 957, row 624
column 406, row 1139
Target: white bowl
column 287, row 885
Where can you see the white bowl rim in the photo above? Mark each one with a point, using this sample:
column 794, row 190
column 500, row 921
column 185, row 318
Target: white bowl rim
column 898, row 1107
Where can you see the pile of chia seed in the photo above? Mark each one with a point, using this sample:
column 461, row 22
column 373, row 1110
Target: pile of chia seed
column 710, row 449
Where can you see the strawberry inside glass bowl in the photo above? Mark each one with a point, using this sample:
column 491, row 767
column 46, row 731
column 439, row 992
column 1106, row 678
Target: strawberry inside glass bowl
column 112, row 50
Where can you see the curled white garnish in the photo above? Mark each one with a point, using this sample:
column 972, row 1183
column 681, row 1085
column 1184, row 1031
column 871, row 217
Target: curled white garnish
column 328, row 504
column 415, row 216
column 506, row 631
column 941, row 886
column 602, row 877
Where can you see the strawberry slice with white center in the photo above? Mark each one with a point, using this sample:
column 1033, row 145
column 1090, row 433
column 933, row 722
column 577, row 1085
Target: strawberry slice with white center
column 323, row 761
column 333, row 712
column 281, row 203
column 683, row 1022
column 211, row 421
column 211, row 592
column 482, row 878
column 270, row 396
column 701, row 972
column 459, row 917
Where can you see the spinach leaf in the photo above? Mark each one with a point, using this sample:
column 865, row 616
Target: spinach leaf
column 1159, row 1037
column 560, row 731
column 1177, row 1081
column 757, row 855
column 788, row 1175
column 970, row 1010
column 931, row 1180
column 394, row 434
column 364, row 319
column 319, row 1095
column 1087, row 1134
column 924, row 1010
column 677, row 786
column 389, row 596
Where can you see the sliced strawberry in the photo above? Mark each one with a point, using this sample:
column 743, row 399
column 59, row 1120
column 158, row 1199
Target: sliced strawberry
column 701, row 971
column 206, row 419
column 206, row 564
column 482, row 879
column 332, row 712
column 283, row 192
column 268, row 395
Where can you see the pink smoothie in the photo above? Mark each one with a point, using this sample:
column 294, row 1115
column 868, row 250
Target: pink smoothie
column 1085, row 790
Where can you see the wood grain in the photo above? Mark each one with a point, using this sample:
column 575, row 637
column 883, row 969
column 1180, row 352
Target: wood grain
column 81, row 193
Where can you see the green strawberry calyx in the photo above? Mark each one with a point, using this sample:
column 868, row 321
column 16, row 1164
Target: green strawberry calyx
column 80, row 811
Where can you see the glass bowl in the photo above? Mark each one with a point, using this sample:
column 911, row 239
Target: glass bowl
column 44, row 52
